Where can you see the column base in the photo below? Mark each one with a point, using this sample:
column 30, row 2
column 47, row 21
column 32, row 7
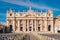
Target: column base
column 13, row 31
column 17, row 31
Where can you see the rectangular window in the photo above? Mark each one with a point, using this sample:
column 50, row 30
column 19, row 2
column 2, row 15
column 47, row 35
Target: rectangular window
column 26, row 29
column 29, row 28
column 21, row 28
column 26, row 23
column 38, row 28
column 33, row 23
column 30, row 22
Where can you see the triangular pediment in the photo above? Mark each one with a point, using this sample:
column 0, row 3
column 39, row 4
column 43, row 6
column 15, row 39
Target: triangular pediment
column 30, row 13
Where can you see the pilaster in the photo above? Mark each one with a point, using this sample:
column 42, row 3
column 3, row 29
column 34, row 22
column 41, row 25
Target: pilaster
column 27, row 25
column 13, row 26
column 24, row 25
column 32, row 25
column 52, row 26
column 18, row 26
column 7, row 23
column 35, row 25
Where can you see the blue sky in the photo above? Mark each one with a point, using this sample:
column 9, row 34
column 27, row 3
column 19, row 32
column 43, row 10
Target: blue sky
column 21, row 5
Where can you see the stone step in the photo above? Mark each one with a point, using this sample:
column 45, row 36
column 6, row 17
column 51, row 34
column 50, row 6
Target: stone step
column 56, row 36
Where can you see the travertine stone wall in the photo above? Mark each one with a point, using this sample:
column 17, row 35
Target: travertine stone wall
column 30, row 21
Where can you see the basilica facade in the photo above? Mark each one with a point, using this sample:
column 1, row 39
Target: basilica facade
column 31, row 21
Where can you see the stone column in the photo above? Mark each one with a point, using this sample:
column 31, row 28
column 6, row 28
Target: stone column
column 52, row 26
column 56, row 27
column 27, row 25
column 45, row 25
column 13, row 26
column 41, row 25
column 18, row 26
column 24, row 25
column 35, row 25
column 7, row 23
column 32, row 25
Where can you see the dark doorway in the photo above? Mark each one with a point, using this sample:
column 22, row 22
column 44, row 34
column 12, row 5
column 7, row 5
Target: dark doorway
column 38, row 28
column 10, row 28
column 49, row 27
column 58, row 31
column 1, row 30
column 6, row 29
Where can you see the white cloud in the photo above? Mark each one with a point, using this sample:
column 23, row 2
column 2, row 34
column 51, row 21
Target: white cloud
column 55, row 9
column 2, row 22
column 28, row 4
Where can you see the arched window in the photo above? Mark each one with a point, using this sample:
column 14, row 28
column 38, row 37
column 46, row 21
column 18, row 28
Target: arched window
column 49, row 27
column 10, row 14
